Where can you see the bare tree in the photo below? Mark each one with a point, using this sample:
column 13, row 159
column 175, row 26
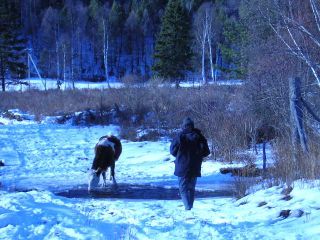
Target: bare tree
column 201, row 31
column 297, row 25
column 211, row 36
column 205, row 28
column 106, row 32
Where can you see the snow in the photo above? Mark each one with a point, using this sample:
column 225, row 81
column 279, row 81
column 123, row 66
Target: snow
column 44, row 158
column 41, row 84
column 18, row 117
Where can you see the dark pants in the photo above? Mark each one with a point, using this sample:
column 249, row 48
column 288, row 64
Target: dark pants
column 187, row 187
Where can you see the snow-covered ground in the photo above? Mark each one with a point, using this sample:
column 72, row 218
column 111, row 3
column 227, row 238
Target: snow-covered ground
column 42, row 159
column 41, row 84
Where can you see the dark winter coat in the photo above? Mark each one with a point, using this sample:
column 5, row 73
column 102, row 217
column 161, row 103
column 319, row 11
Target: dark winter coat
column 189, row 148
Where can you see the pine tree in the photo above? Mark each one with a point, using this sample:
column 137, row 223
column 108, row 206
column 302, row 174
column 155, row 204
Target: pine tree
column 172, row 51
column 117, row 19
column 12, row 43
column 235, row 38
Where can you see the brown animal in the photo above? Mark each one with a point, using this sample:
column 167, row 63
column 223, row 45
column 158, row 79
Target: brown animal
column 107, row 152
column 262, row 134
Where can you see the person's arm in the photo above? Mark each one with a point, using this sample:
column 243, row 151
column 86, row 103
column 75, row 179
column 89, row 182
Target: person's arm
column 174, row 147
column 204, row 148
column 205, row 151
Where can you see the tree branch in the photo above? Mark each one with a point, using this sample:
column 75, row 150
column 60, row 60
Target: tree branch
column 307, row 106
column 315, row 13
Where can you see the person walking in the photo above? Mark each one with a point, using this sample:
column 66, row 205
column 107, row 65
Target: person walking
column 189, row 148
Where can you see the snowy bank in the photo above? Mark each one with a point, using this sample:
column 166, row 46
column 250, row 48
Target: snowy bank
column 43, row 158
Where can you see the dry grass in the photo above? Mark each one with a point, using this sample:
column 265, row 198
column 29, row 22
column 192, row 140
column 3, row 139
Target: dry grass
column 290, row 166
column 52, row 102
column 150, row 107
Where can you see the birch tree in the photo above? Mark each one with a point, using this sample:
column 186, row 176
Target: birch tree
column 207, row 27
column 201, row 32
column 297, row 25
column 214, row 29
column 106, row 32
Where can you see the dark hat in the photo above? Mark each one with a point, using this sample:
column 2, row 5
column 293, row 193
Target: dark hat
column 187, row 123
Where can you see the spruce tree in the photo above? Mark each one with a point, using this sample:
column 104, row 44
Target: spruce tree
column 173, row 51
column 12, row 43
column 235, row 39
column 117, row 18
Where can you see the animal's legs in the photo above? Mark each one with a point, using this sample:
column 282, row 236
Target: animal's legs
column 112, row 174
column 104, row 179
column 93, row 180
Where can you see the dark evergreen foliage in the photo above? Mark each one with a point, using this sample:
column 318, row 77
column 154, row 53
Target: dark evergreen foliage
column 12, row 43
column 66, row 37
column 173, row 52
column 235, row 38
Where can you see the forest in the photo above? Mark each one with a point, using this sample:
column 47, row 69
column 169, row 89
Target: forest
column 99, row 39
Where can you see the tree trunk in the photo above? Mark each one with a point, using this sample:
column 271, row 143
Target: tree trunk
column 72, row 50
column 80, row 70
column 298, row 133
column 2, row 72
column 177, row 83
column 106, row 51
column 28, row 58
column 264, row 155
column 203, row 71
column 72, row 70
column 57, row 53
column 64, row 63
column 217, row 64
column 144, row 56
column 118, row 57
column 211, row 58
column 72, row 63
column 3, row 82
